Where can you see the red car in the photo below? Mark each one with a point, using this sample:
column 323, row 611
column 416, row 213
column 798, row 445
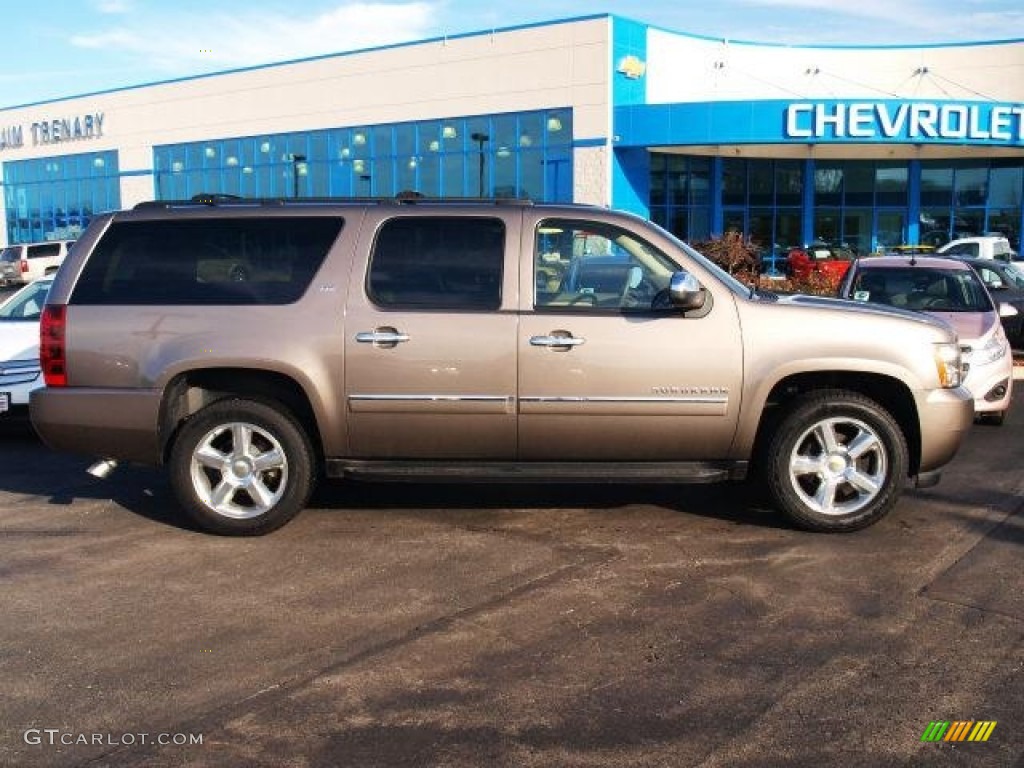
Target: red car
column 830, row 260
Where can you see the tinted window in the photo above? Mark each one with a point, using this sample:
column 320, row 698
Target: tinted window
column 206, row 261
column 44, row 250
column 438, row 263
column 13, row 253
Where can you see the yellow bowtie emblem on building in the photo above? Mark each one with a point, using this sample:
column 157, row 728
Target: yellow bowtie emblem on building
column 632, row 67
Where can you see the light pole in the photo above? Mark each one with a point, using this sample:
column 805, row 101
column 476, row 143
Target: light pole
column 298, row 161
column 480, row 138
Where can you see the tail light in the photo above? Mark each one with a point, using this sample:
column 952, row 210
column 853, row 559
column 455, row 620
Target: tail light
column 52, row 329
column 24, row 266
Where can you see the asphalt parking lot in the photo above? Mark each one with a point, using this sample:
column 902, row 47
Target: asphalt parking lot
column 508, row 626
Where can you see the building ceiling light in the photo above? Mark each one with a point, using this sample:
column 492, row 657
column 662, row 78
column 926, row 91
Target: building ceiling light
column 554, row 124
column 449, row 132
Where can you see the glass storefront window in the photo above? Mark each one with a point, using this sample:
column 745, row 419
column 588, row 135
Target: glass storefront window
column 734, row 182
column 971, row 186
column 453, row 175
column 859, row 184
column 678, row 180
column 700, row 181
column 761, row 183
column 891, row 229
column 936, row 185
column 828, row 185
column 659, row 168
column 789, row 183
column 521, row 154
column 1006, row 221
column 857, row 230
column 1006, row 187
column 891, row 184
column 54, row 198
column 827, row 225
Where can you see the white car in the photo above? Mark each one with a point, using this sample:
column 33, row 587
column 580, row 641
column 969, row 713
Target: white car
column 19, row 346
column 952, row 291
column 30, row 261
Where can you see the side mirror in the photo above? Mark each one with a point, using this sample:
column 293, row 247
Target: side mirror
column 685, row 292
column 1007, row 310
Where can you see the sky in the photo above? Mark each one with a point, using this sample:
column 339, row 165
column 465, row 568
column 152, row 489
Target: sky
column 60, row 48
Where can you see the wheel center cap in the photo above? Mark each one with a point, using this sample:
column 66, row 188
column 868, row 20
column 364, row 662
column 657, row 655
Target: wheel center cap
column 837, row 464
column 241, row 468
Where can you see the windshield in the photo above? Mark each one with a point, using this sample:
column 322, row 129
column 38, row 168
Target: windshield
column 1014, row 274
column 26, row 304
column 922, row 288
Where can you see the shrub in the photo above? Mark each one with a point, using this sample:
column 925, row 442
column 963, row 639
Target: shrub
column 741, row 258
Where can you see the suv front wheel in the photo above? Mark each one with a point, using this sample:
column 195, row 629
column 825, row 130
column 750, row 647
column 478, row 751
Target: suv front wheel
column 242, row 467
column 837, row 462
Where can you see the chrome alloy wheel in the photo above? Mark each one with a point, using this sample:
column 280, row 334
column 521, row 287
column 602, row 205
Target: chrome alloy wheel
column 838, row 466
column 239, row 470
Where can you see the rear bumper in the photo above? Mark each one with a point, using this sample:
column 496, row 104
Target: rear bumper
column 945, row 417
column 105, row 423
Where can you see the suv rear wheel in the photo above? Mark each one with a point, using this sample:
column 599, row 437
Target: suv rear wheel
column 837, row 462
column 242, row 467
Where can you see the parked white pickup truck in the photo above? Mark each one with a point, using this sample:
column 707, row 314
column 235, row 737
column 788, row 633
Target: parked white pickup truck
column 982, row 247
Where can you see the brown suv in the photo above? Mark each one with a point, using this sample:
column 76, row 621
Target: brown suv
column 466, row 340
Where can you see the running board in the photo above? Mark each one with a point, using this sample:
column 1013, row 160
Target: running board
column 537, row 472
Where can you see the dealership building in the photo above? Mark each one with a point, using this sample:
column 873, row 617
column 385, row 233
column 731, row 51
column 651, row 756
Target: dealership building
column 865, row 145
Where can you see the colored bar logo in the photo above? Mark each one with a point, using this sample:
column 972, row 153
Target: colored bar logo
column 958, row 730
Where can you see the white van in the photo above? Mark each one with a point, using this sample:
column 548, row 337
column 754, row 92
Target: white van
column 29, row 261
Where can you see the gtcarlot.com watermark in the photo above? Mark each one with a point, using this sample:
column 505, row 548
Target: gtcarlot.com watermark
column 55, row 737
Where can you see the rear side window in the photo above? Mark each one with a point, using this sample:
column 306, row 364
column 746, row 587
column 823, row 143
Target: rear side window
column 446, row 262
column 43, row 250
column 206, row 261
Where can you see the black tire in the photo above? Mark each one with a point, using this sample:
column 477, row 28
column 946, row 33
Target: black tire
column 228, row 492
column 812, row 476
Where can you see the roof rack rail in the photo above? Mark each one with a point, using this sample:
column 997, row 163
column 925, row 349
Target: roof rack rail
column 218, row 199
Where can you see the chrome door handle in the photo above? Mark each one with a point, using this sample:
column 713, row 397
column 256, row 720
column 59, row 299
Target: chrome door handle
column 381, row 337
column 556, row 341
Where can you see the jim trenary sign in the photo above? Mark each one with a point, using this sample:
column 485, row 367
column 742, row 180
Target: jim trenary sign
column 913, row 121
column 54, row 130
